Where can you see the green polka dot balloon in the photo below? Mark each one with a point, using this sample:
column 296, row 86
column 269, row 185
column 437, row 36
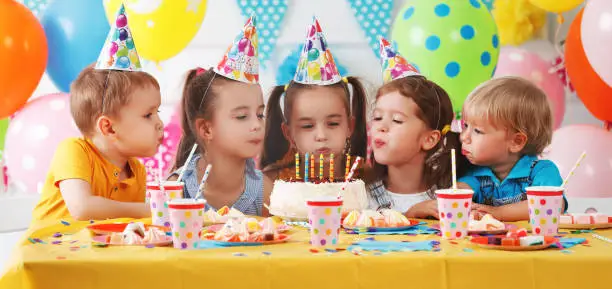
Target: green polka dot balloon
column 452, row 42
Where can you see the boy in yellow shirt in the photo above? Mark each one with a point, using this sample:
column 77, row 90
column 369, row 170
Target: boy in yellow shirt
column 115, row 106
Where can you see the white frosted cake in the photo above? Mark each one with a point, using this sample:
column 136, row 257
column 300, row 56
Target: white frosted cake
column 288, row 199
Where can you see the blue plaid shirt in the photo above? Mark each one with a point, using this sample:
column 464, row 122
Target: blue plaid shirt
column 528, row 171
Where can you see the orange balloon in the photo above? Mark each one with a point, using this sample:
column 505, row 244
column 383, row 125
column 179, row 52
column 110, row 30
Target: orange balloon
column 23, row 55
column 592, row 90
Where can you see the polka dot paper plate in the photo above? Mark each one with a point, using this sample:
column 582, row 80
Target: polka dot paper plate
column 166, row 241
column 216, row 227
column 282, row 238
column 105, row 229
column 384, row 229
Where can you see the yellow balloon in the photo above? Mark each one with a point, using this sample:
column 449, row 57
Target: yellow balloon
column 557, row 6
column 161, row 28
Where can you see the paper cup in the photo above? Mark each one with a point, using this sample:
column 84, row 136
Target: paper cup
column 324, row 219
column 186, row 220
column 158, row 200
column 454, row 208
column 545, row 205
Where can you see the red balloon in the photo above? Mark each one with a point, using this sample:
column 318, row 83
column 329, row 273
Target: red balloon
column 23, row 56
column 592, row 90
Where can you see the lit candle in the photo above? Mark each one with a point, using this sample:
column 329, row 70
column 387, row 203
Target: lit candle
column 306, row 167
column 312, row 169
column 348, row 165
column 297, row 166
column 321, row 160
column 331, row 167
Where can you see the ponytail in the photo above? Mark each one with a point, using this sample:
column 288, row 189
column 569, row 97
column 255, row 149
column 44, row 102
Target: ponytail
column 275, row 143
column 359, row 137
column 188, row 139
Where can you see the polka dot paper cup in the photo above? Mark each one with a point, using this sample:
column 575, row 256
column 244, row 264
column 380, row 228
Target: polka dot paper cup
column 545, row 205
column 158, row 200
column 324, row 218
column 454, row 208
column 186, row 221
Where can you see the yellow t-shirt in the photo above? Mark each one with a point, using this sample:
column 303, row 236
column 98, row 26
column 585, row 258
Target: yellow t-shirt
column 78, row 158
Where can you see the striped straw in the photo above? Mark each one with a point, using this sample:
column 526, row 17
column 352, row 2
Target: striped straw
column 571, row 173
column 193, row 149
column 203, row 182
column 349, row 176
column 454, row 168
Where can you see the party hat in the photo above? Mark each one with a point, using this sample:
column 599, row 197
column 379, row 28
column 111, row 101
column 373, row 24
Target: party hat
column 240, row 60
column 119, row 51
column 316, row 64
column 394, row 66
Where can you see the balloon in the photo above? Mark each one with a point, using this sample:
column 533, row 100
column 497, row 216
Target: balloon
column 172, row 136
column 596, row 35
column 590, row 88
column 23, row 56
column 3, row 126
column 517, row 20
column 526, row 64
column 453, row 43
column 161, row 28
column 557, row 6
column 592, row 179
column 76, row 30
column 33, row 136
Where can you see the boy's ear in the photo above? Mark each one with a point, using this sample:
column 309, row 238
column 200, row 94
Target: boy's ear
column 517, row 142
column 104, row 126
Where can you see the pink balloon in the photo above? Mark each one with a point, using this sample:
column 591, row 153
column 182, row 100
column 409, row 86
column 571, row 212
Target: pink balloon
column 593, row 179
column 172, row 135
column 32, row 137
column 596, row 36
column 519, row 62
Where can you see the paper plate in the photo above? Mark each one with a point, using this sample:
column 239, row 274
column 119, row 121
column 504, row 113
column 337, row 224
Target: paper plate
column 166, row 240
column 105, row 229
column 384, row 229
column 216, row 227
column 489, row 232
column 290, row 218
column 514, row 248
column 585, row 226
column 282, row 238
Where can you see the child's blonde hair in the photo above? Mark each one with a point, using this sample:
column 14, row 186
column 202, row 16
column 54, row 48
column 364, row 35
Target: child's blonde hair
column 516, row 104
column 96, row 92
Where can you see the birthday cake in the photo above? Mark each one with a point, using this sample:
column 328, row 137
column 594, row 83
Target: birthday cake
column 289, row 197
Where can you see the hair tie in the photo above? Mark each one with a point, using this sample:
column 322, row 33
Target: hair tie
column 200, row 70
column 286, row 86
column 345, row 79
column 446, row 129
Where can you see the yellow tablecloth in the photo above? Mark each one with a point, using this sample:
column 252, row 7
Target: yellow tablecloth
column 292, row 265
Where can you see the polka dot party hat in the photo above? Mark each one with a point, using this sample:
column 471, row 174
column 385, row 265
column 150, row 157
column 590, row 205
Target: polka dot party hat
column 316, row 64
column 394, row 66
column 119, row 51
column 240, row 60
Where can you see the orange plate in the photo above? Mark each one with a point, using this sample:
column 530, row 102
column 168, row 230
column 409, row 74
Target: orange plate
column 166, row 240
column 105, row 229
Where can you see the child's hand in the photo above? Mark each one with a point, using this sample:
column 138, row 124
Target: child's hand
column 479, row 210
column 423, row 210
